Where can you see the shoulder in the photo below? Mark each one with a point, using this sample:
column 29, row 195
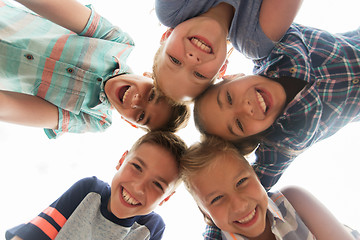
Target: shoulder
column 154, row 223
column 79, row 190
column 293, row 191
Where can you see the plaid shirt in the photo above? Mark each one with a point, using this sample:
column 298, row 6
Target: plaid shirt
column 330, row 64
column 40, row 58
column 285, row 223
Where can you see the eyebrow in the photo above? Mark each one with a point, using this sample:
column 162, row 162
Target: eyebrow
column 146, row 167
column 218, row 100
column 235, row 179
column 229, row 127
column 157, row 99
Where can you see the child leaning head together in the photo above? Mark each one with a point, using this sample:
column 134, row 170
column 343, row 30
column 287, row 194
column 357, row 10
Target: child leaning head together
column 74, row 89
column 236, row 206
column 147, row 176
column 193, row 52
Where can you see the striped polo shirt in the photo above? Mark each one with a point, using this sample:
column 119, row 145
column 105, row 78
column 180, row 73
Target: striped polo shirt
column 43, row 59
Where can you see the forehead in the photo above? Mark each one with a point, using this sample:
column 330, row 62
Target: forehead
column 209, row 112
column 222, row 167
column 157, row 160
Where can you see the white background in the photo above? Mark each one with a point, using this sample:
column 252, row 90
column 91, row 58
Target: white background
column 34, row 171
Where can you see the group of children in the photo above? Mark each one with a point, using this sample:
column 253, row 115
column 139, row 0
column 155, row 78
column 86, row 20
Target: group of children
column 67, row 74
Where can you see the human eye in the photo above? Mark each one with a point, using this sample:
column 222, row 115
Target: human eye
column 137, row 167
column 239, row 125
column 199, row 75
column 158, row 185
column 141, row 117
column 152, row 95
column 214, row 200
column 241, row 181
column 174, row 60
column 228, row 97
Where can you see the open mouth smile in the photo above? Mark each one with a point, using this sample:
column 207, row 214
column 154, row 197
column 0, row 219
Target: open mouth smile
column 248, row 220
column 201, row 44
column 123, row 93
column 128, row 198
column 264, row 106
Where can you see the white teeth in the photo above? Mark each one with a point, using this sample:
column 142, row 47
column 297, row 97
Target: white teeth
column 248, row 218
column 261, row 101
column 125, row 95
column 127, row 197
column 200, row 44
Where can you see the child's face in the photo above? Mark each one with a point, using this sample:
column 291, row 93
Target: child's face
column 147, row 177
column 232, row 197
column 134, row 98
column 191, row 57
column 242, row 107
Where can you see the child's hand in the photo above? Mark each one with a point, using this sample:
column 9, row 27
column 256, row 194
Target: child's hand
column 234, row 76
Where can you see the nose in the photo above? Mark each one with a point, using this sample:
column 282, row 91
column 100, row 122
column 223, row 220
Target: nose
column 139, row 187
column 192, row 58
column 136, row 101
column 239, row 204
column 246, row 107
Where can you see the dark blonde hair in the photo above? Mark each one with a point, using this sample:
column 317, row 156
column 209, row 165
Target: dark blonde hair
column 201, row 155
column 167, row 140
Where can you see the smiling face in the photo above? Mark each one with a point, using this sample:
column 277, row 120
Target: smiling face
column 134, row 98
column 233, row 197
column 241, row 107
column 147, row 177
column 190, row 58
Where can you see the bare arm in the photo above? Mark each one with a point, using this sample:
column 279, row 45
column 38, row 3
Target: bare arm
column 67, row 13
column 315, row 215
column 276, row 16
column 27, row 110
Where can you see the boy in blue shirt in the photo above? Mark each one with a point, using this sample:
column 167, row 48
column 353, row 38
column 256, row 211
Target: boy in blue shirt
column 147, row 176
column 67, row 74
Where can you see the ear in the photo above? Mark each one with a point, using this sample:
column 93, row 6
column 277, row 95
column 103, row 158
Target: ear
column 166, row 35
column 222, row 70
column 122, row 159
column 166, row 199
column 147, row 74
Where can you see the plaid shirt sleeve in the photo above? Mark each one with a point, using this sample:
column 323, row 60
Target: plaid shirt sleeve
column 212, row 233
column 271, row 164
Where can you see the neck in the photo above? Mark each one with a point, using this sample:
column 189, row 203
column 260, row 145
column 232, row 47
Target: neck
column 223, row 13
column 267, row 234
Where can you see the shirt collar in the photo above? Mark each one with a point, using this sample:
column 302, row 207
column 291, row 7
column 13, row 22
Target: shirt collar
column 273, row 213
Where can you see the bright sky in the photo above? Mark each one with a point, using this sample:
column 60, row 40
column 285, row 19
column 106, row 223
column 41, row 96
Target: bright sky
column 34, row 171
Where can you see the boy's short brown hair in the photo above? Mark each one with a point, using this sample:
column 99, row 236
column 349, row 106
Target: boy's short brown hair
column 170, row 141
column 167, row 140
